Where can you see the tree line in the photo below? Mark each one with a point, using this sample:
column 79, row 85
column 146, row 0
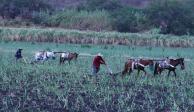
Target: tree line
column 168, row 16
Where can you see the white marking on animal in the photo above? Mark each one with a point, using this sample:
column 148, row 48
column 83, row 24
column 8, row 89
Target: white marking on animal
column 65, row 55
column 44, row 55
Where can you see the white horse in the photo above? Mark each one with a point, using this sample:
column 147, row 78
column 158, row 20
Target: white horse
column 44, row 56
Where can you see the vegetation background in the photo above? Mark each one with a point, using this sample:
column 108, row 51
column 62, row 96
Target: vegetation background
column 167, row 16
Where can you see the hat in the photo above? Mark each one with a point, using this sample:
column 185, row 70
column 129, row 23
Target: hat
column 20, row 49
column 99, row 54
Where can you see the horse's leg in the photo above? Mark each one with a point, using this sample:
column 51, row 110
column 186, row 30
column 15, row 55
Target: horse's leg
column 130, row 70
column 36, row 61
column 156, row 69
column 174, row 72
column 157, row 72
column 60, row 61
column 126, row 69
column 43, row 61
column 169, row 72
column 138, row 71
column 145, row 73
column 75, row 60
column 143, row 69
column 124, row 73
column 160, row 70
column 69, row 61
column 63, row 60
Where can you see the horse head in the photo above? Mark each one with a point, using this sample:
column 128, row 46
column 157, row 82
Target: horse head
column 176, row 62
column 181, row 61
column 75, row 55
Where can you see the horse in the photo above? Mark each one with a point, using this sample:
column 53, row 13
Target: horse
column 174, row 62
column 67, row 56
column 140, row 66
column 44, row 56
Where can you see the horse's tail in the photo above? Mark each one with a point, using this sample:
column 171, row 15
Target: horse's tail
column 76, row 56
column 156, row 67
column 125, row 68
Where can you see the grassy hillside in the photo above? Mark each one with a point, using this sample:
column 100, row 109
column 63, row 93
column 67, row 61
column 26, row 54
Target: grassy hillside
column 90, row 37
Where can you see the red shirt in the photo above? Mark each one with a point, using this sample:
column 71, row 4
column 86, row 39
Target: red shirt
column 97, row 61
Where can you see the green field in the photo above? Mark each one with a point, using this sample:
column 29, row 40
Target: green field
column 54, row 87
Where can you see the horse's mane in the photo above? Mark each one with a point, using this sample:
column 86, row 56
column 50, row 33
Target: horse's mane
column 177, row 59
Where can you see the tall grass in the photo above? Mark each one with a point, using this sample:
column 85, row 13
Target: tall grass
column 90, row 37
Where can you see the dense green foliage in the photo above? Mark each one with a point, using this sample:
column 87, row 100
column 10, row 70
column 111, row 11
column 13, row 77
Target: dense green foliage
column 110, row 5
column 129, row 20
column 103, row 15
column 10, row 9
column 82, row 20
column 172, row 16
column 51, row 87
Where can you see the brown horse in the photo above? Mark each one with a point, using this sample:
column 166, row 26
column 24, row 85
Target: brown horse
column 173, row 62
column 140, row 66
column 68, row 57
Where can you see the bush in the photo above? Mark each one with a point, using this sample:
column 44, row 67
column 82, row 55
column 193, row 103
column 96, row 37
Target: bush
column 40, row 18
column 129, row 20
column 82, row 20
column 109, row 5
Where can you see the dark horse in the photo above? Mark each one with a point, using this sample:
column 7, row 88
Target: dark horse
column 68, row 57
column 140, row 66
column 173, row 62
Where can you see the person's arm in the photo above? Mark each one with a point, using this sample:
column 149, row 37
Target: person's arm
column 102, row 61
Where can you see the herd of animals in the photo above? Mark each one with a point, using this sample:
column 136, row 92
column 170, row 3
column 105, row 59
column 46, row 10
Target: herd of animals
column 131, row 64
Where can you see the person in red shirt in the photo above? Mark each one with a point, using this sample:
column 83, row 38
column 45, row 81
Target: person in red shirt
column 98, row 60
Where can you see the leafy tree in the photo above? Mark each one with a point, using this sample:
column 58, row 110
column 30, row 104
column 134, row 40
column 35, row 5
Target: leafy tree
column 23, row 8
column 129, row 20
column 172, row 16
column 109, row 5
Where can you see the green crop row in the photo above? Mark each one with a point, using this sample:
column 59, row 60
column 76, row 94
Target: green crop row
column 90, row 37
column 54, row 87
